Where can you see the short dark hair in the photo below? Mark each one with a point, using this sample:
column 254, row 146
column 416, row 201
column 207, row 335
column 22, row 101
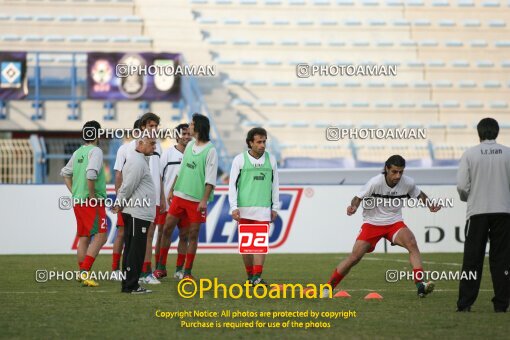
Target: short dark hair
column 395, row 160
column 181, row 127
column 488, row 129
column 91, row 125
column 202, row 126
column 147, row 117
column 255, row 131
column 136, row 124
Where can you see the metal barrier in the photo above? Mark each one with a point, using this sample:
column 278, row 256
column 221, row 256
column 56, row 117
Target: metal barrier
column 16, row 161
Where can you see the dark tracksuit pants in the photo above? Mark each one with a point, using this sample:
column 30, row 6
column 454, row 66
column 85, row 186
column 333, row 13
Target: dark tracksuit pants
column 479, row 228
column 135, row 241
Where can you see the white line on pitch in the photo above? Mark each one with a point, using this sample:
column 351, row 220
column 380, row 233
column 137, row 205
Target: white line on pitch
column 407, row 261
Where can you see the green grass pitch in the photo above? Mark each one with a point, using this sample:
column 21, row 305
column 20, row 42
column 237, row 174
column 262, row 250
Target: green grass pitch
column 60, row 309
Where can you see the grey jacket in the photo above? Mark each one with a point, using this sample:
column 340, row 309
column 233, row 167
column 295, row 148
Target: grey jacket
column 137, row 194
column 483, row 179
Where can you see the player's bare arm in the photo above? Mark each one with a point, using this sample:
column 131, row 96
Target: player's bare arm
column 355, row 202
column 91, row 186
column 424, row 199
column 171, row 193
column 202, row 206
column 118, row 180
column 236, row 215
column 274, row 215
column 162, row 207
column 69, row 183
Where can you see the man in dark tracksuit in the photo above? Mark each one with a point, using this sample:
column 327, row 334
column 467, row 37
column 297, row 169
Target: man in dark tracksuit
column 136, row 190
column 483, row 181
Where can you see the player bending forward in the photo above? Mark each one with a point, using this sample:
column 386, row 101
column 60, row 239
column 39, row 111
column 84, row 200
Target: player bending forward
column 386, row 221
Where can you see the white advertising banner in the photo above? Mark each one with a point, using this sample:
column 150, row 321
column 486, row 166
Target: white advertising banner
column 312, row 219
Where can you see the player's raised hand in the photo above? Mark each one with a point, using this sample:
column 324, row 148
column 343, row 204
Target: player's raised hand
column 351, row 210
column 434, row 208
column 236, row 215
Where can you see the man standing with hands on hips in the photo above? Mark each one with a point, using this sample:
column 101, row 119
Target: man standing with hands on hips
column 253, row 193
column 483, row 181
column 137, row 201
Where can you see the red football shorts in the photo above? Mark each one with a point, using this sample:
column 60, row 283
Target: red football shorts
column 90, row 220
column 160, row 218
column 373, row 233
column 186, row 210
column 247, row 221
column 120, row 220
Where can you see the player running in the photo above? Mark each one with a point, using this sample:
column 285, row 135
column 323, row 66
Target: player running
column 386, row 221
column 192, row 189
column 170, row 163
column 118, row 244
column 84, row 177
column 253, row 193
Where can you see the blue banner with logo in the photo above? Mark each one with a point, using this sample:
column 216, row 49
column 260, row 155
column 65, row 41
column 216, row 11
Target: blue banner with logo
column 13, row 75
column 139, row 76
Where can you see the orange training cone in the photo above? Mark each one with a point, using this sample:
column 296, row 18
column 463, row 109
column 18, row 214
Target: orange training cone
column 342, row 294
column 373, row 296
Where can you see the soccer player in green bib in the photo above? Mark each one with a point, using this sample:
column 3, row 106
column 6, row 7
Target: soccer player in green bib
column 84, row 177
column 192, row 189
column 253, row 193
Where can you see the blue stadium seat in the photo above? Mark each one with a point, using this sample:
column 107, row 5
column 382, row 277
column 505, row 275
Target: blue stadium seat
column 440, row 3
column 267, row 102
column 376, row 83
column 55, row 38
column 305, row 22
column 288, row 42
column 498, row 104
column 256, row 22
column 352, row 22
column 89, row 18
column 370, row 3
column 478, row 43
column 446, row 23
column 467, row 84
column 67, row 18
column 443, row 84
column 276, row 123
column 308, row 162
column 313, row 43
column 360, row 104
column 240, row 42
column 142, row 39
column 460, row 63
column 273, row 62
column 281, row 83
column 328, row 22
column 471, row 23
column 465, row 3
column 421, row 84
column 248, row 2
column 121, row 39
column 314, row 104
column 484, row 63
column 422, row 22
column 207, row 21
column 321, row 2
column 99, row 39
column 249, row 62
column 297, row 2
column 258, row 82
column 345, row 2
column 505, row 63
column 406, row 104
column 414, row 3
column 429, row 105
column 328, row 84
column 232, row 22
column 385, row 44
column 23, row 17
column 490, row 4
column 44, row 18
column 409, row 43
column 281, row 22
column 377, row 22
column 445, row 162
column 454, row 43
column 401, row 22
column 33, row 38
column 502, row 43
column 384, row 104
column 212, row 41
column 474, row 104
column 337, row 104
column 429, row 43
column 290, row 103
column 450, row 104
column 111, row 18
column 497, row 23
column 394, row 3
column 265, row 42
column 492, row 84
